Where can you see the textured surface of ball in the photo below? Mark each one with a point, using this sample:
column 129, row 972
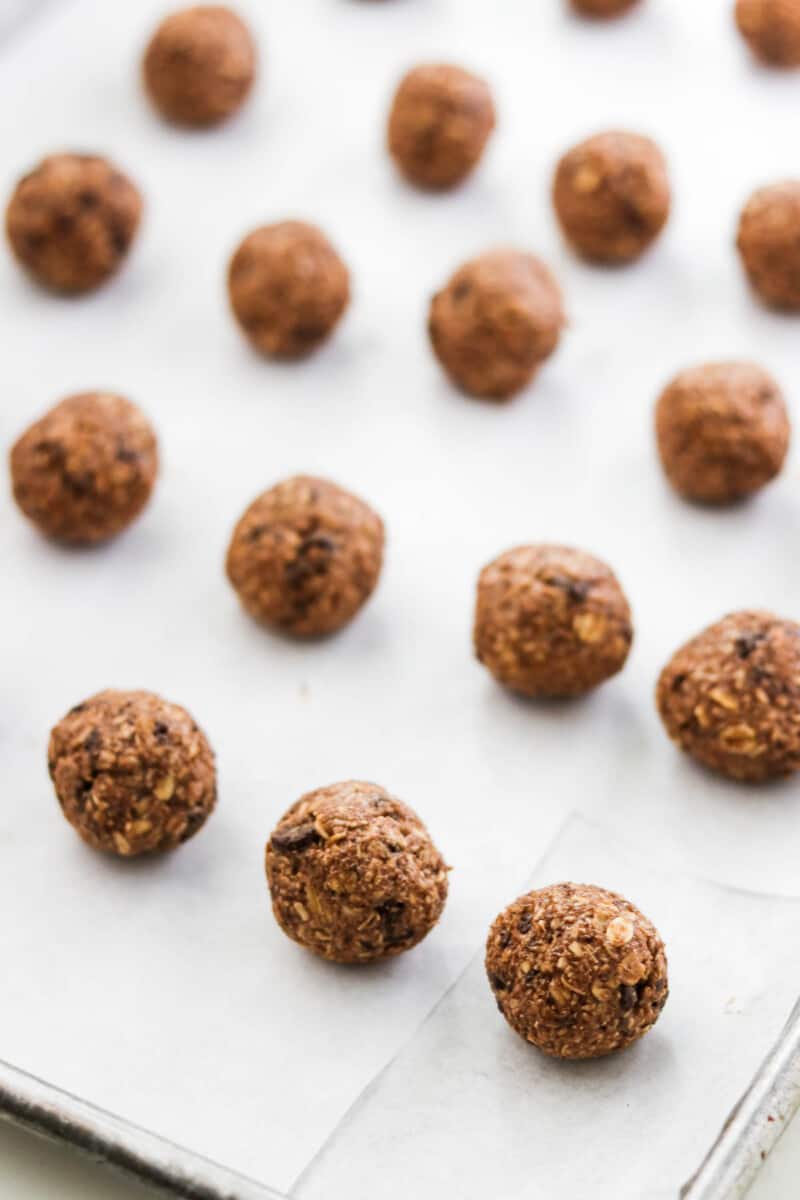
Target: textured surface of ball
column 769, row 244
column 772, row 30
column 731, row 697
column 495, row 322
column 71, row 221
column 354, row 875
column 551, row 621
column 723, row 431
column 439, row 124
column 86, row 469
column 200, row 65
column 288, row 288
column 611, row 196
column 132, row 772
column 305, row 556
column 576, row 970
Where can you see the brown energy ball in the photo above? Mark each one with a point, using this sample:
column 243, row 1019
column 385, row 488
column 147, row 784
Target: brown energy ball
column 132, row 772
column 288, row 288
column 722, row 430
column 85, row 470
column 577, row 971
column 354, row 875
column 71, row 221
column 305, row 556
column 772, row 30
column 495, row 322
column 731, row 696
column 200, row 65
column 769, row 244
column 551, row 621
column 440, row 122
column 611, row 196
column 602, row 8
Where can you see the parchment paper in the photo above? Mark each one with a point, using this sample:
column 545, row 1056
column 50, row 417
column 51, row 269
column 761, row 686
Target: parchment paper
column 163, row 991
column 469, row 1110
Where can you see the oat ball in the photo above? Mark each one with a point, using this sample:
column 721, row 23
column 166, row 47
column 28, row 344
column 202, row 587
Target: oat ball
column 495, row 322
column 354, row 875
column 769, row 244
column 772, row 30
column 199, row 65
column 305, row 556
column 132, row 772
column 72, row 220
column 602, row 8
column 551, row 621
column 439, row 124
column 577, row 971
column 85, row 470
column 722, row 431
column 611, row 196
column 731, row 696
column 288, row 288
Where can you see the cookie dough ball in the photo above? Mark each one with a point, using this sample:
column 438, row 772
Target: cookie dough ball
column 722, row 430
column 551, row 621
column 305, row 556
column 611, row 196
column 772, row 30
column 577, row 971
column 354, row 875
column 85, row 470
column 288, row 288
column 132, row 772
column 72, row 220
column 602, row 8
column 769, row 244
column 200, row 65
column 495, row 322
column 731, row 697
column 439, row 124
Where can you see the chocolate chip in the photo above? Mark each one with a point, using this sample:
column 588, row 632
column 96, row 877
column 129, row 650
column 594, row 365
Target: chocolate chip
column 746, row 644
column 498, row 984
column 317, row 541
column 294, row 839
column 627, row 998
column 393, row 922
column 577, row 589
column 313, row 558
column 160, row 731
column 195, row 818
column 120, row 235
column 93, row 741
column 525, row 923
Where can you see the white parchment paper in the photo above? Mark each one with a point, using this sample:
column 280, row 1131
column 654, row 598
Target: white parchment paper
column 163, row 990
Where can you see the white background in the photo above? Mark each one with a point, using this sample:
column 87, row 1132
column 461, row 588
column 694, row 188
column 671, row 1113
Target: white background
column 136, row 984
